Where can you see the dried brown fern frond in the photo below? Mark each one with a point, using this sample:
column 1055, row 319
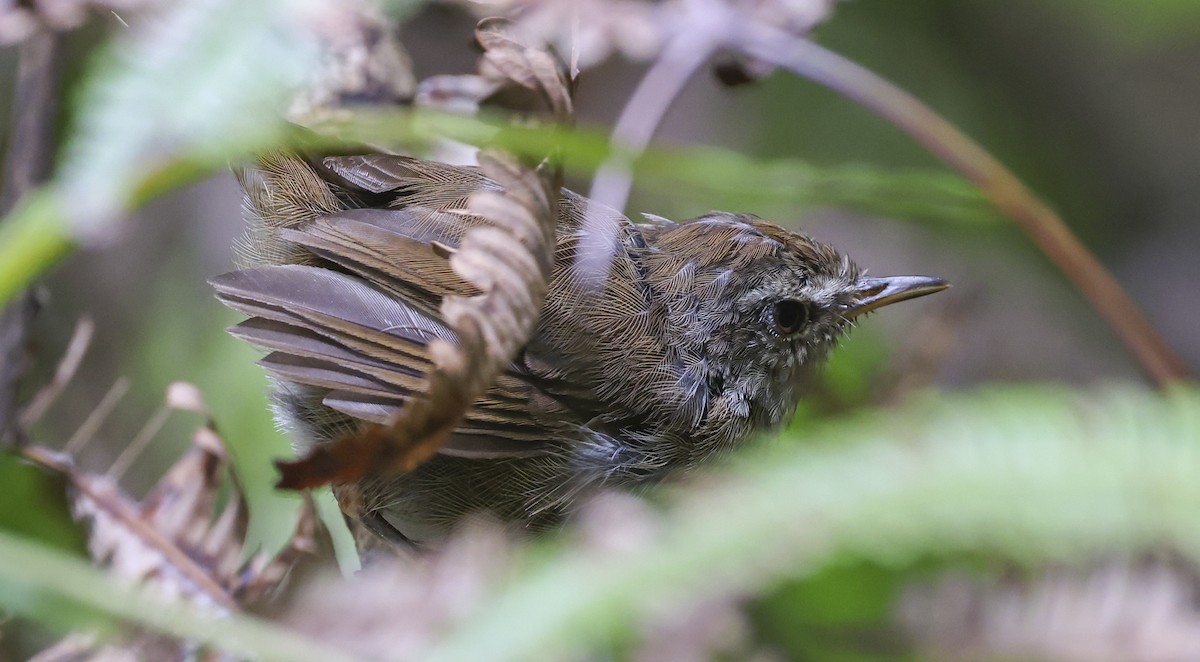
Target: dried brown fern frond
column 186, row 538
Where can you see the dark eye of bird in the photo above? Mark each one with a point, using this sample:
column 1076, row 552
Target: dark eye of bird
column 789, row 315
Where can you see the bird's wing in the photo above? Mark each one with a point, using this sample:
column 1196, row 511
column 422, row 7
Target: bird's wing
column 367, row 351
column 348, row 296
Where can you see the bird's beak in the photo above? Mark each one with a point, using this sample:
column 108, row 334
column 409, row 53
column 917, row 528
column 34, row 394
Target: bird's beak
column 878, row 292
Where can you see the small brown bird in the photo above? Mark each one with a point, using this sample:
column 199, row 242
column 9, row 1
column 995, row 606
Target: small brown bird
column 700, row 335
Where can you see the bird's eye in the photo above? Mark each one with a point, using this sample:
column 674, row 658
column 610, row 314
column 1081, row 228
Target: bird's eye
column 789, row 316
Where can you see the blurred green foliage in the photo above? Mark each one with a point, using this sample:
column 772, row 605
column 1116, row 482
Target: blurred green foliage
column 841, row 614
column 1028, row 474
column 1025, row 473
column 35, row 505
column 1135, row 24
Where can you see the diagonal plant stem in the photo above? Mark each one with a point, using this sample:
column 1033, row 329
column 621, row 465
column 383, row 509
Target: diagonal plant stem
column 644, row 111
column 68, row 366
column 641, row 116
column 1042, row 224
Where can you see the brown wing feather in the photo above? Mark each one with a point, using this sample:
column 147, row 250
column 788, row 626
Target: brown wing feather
column 333, row 331
column 323, row 374
column 408, row 268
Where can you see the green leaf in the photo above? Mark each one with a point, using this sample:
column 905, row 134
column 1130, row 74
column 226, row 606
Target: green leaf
column 201, row 82
column 729, row 180
column 32, row 237
column 66, row 592
column 1034, row 474
column 34, row 505
column 721, row 177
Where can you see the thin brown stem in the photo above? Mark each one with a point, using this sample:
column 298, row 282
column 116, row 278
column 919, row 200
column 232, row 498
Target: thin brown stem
column 68, row 365
column 1043, row 225
column 135, row 447
column 96, row 418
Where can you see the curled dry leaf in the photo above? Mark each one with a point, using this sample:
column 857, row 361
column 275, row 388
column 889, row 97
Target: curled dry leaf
column 175, row 540
column 593, row 30
column 514, row 74
column 508, row 258
column 529, row 67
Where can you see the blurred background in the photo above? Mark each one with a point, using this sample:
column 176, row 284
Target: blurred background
column 1093, row 103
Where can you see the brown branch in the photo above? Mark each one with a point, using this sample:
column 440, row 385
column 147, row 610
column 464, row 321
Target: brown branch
column 31, row 140
column 14, row 361
column 27, row 162
column 1043, row 225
